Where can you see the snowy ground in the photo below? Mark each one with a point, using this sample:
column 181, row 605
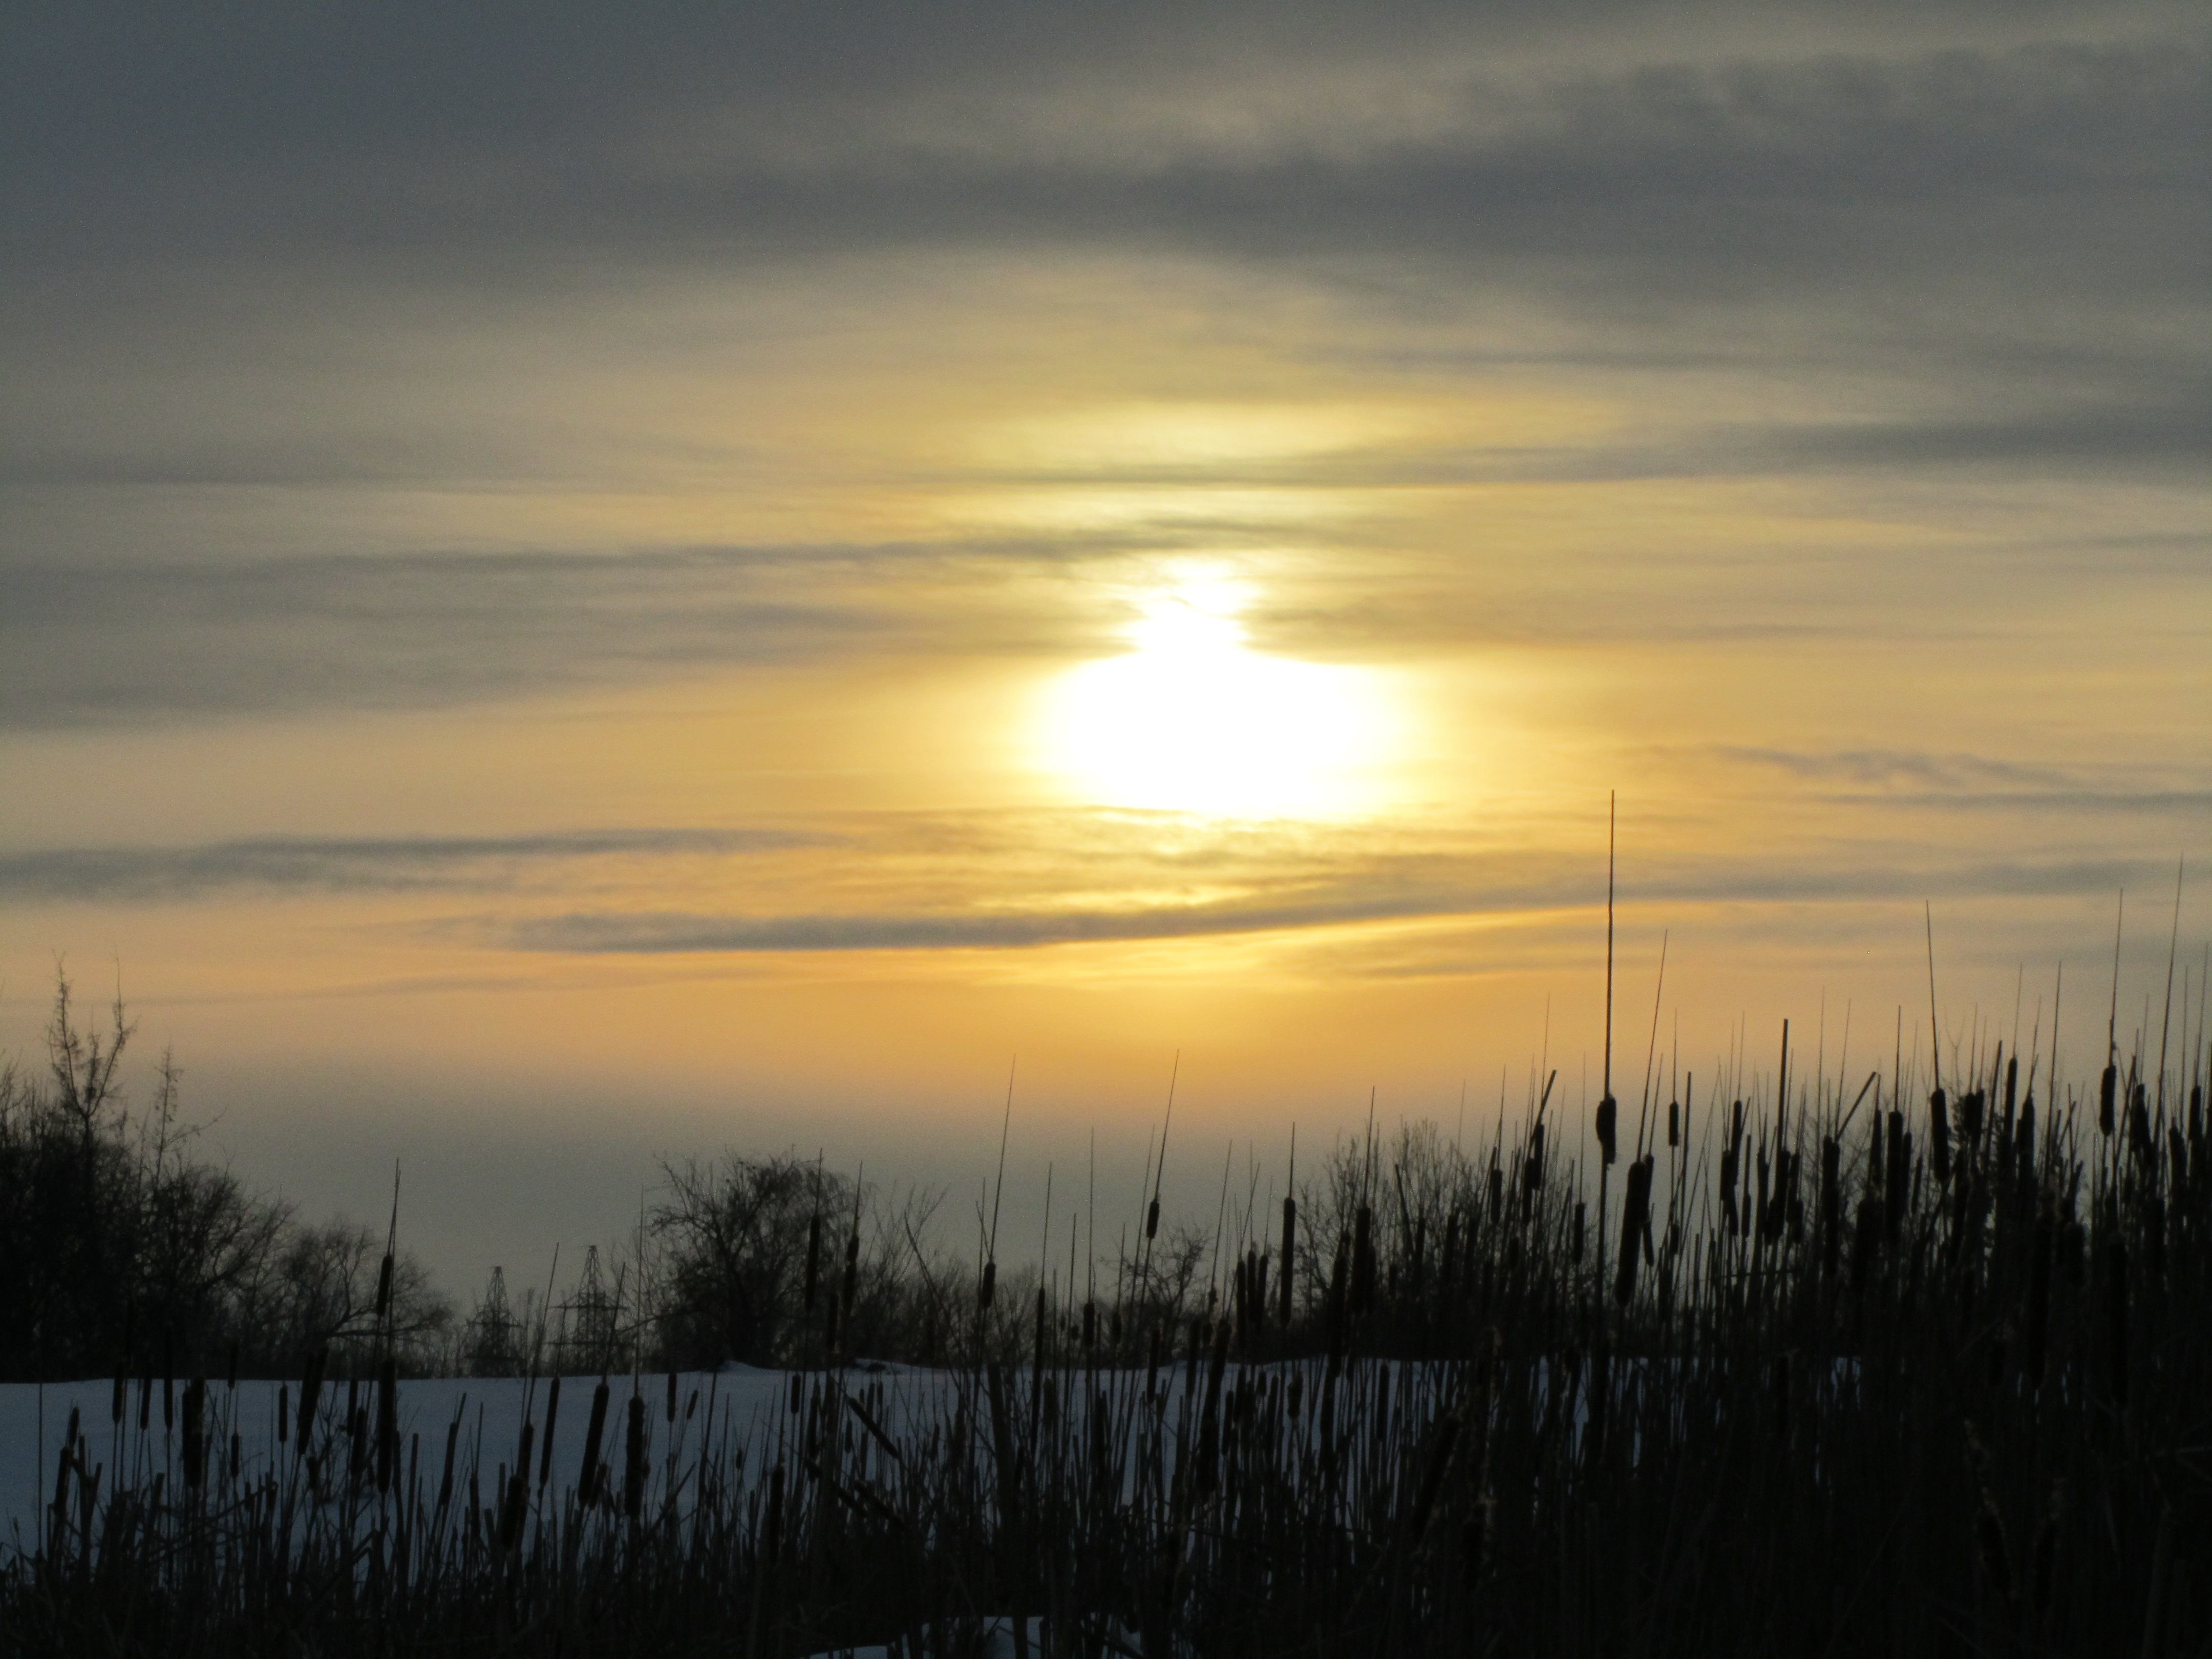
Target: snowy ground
column 735, row 1407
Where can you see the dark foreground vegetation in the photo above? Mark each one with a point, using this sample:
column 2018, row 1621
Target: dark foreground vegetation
column 1792, row 1367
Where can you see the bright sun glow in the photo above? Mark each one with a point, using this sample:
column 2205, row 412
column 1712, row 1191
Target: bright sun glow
column 1191, row 720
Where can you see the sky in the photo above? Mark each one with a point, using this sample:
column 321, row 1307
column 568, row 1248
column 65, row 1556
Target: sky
column 582, row 586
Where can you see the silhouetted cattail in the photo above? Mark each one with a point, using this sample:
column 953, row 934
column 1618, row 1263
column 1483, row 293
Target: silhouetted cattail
column 1152, row 1220
column 552, row 1415
column 813, row 1260
column 2107, row 1095
column 1970, row 1117
column 989, row 1288
column 1576, row 1255
column 453, row 1441
column 1363, row 1261
column 2038, row 1302
column 1532, row 1173
column 2116, row 1319
column 1989, row 1522
column 1899, row 1174
column 387, row 1423
column 633, row 1463
column 194, row 1437
column 310, row 1386
column 384, row 1288
column 1608, row 1125
column 1939, row 1137
column 2046, row 1547
column 1635, row 1227
column 1832, row 1241
column 1290, row 1241
column 2139, row 1138
column 595, row 1430
column 1673, row 1123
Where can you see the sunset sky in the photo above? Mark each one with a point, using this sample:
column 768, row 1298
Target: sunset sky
column 577, row 585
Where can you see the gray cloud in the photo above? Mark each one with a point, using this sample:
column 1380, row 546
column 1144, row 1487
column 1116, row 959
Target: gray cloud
column 284, row 864
column 1332, row 904
column 102, row 642
column 1964, row 782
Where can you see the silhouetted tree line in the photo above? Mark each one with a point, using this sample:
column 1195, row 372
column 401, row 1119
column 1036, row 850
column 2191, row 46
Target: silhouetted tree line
column 122, row 1250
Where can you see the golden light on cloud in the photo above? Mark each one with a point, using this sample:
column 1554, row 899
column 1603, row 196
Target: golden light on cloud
column 1191, row 719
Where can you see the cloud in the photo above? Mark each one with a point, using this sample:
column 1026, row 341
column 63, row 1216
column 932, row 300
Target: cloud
column 101, row 641
column 1345, row 903
column 1967, row 782
column 279, row 864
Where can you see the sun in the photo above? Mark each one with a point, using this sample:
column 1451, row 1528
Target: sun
column 1191, row 719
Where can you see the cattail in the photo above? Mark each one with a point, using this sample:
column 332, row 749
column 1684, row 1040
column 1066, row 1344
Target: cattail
column 1575, row 1249
column 552, row 1412
column 146, row 1399
column 1608, row 1119
column 1635, row 1229
column 1289, row 1238
column 1532, row 1174
column 311, row 1385
column 1939, row 1125
column 1152, row 1221
column 194, row 1437
column 357, row 1449
column 772, row 1544
column 283, row 1413
column 989, row 1286
column 594, row 1428
column 1832, row 1156
column 1899, row 1182
column 115, row 1404
column 1673, row 1123
column 1363, row 1262
column 1989, row 1522
column 2107, row 1092
column 446, row 1477
column 2046, row 1547
column 2116, row 1317
column 2139, row 1137
column 1727, row 1189
column 1969, row 1116
column 813, row 1258
column 633, row 1463
column 387, row 1423
column 2038, row 1302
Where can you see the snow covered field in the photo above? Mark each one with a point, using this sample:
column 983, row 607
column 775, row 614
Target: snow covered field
column 734, row 1407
